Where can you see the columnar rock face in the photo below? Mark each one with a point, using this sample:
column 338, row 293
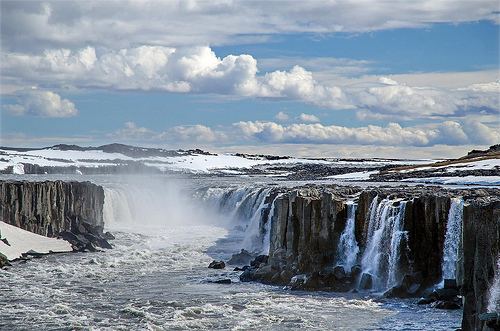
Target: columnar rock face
column 47, row 208
column 305, row 230
column 425, row 221
column 308, row 222
column 481, row 248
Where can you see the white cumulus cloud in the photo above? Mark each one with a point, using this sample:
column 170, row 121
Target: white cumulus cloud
column 42, row 103
column 308, row 118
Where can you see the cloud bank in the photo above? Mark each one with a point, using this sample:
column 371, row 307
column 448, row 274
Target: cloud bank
column 200, row 70
column 393, row 134
column 122, row 24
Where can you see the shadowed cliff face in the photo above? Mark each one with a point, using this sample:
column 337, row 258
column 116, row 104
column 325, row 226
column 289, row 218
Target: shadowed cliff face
column 47, row 208
column 481, row 241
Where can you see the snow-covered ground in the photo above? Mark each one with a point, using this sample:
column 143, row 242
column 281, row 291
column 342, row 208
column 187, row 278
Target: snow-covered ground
column 21, row 241
column 195, row 163
column 458, row 180
column 473, row 164
column 354, row 176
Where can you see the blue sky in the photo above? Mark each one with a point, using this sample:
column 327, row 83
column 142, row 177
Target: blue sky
column 427, row 80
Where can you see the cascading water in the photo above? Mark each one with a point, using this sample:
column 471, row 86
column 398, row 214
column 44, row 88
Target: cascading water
column 385, row 233
column 151, row 207
column 266, row 240
column 452, row 238
column 494, row 293
column 348, row 249
column 244, row 207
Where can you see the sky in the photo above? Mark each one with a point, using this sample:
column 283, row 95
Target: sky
column 339, row 78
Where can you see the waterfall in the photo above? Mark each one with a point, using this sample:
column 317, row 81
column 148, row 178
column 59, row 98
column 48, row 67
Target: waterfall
column 347, row 249
column 452, row 238
column 243, row 206
column 266, row 241
column 494, row 293
column 385, row 233
column 150, row 207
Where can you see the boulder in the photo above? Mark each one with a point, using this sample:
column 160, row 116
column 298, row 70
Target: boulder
column 425, row 301
column 356, row 270
column 217, row 265
column 444, row 294
column 286, row 276
column 4, row 262
column 398, row 291
column 221, row 281
column 242, row 258
column 109, row 236
column 366, row 281
column 247, row 276
column 339, row 272
column 261, row 259
column 449, row 305
column 297, row 282
column 245, row 267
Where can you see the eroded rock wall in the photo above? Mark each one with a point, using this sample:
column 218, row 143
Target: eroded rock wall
column 48, row 207
column 481, row 248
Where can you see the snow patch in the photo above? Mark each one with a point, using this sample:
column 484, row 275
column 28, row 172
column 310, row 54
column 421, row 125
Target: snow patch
column 18, row 169
column 22, row 241
column 360, row 175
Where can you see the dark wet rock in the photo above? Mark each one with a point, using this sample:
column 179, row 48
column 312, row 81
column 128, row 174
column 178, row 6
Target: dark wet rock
column 4, row 262
column 261, row 259
column 425, row 301
column 356, row 270
column 33, row 253
column 242, row 258
column 398, row 291
column 217, row 265
column 286, row 276
column 246, row 267
column 339, row 272
column 247, row 276
column 221, row 281
column 85, row 236
column 297, row 282
column 5, row 241
column 366, row 281
column 410, row 286
column 108, row 236
column 449, row 305
column 444, row 294
column 450, row 284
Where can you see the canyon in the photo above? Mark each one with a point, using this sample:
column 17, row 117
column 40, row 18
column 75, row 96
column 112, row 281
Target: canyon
column 399, row 242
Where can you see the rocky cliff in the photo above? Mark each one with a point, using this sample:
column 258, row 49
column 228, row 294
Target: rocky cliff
column 401, row 237
column 50, row 207
column 481, row 247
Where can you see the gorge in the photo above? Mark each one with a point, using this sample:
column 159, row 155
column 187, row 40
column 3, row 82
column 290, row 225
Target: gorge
column 388, row 242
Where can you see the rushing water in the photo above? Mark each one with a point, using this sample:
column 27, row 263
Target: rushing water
column 385, row 233
column 348, row 249
column 452, row 238
column 156, row 277
column 494, row 293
